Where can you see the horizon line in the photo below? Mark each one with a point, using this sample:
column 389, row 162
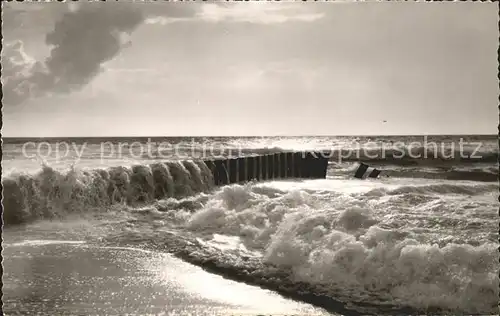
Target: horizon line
column 246, row 136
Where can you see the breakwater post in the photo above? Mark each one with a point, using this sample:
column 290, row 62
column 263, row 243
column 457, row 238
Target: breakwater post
column 265, row 167
column 285, row 165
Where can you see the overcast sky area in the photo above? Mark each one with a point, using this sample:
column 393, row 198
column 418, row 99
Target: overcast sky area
column 266, row 68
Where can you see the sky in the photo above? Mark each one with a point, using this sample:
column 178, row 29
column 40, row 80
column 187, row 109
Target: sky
column 249, row 68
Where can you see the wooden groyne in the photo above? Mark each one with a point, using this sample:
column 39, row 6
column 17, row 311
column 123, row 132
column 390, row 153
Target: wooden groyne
column 285, row 165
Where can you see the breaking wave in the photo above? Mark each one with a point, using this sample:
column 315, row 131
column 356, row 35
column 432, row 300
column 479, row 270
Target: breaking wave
column 51, row 193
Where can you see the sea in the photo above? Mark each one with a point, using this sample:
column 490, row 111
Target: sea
column 136, row 226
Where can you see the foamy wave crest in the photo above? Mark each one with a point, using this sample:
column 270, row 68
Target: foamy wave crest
column 346, row 254
column 412, row 156
column 442, row 188
column 51, row 193
column 453, row 277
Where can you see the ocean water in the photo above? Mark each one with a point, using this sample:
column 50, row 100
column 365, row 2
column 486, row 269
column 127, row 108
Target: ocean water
column 106, row 226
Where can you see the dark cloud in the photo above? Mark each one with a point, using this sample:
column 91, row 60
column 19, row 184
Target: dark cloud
column 81, row 41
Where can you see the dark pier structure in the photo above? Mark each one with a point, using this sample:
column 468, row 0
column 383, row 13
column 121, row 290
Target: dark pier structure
column 285, row 165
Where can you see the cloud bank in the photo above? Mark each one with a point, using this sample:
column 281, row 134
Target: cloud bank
column 248, row 12
column 81, row 41
column 86, row 36
column 256, row 12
